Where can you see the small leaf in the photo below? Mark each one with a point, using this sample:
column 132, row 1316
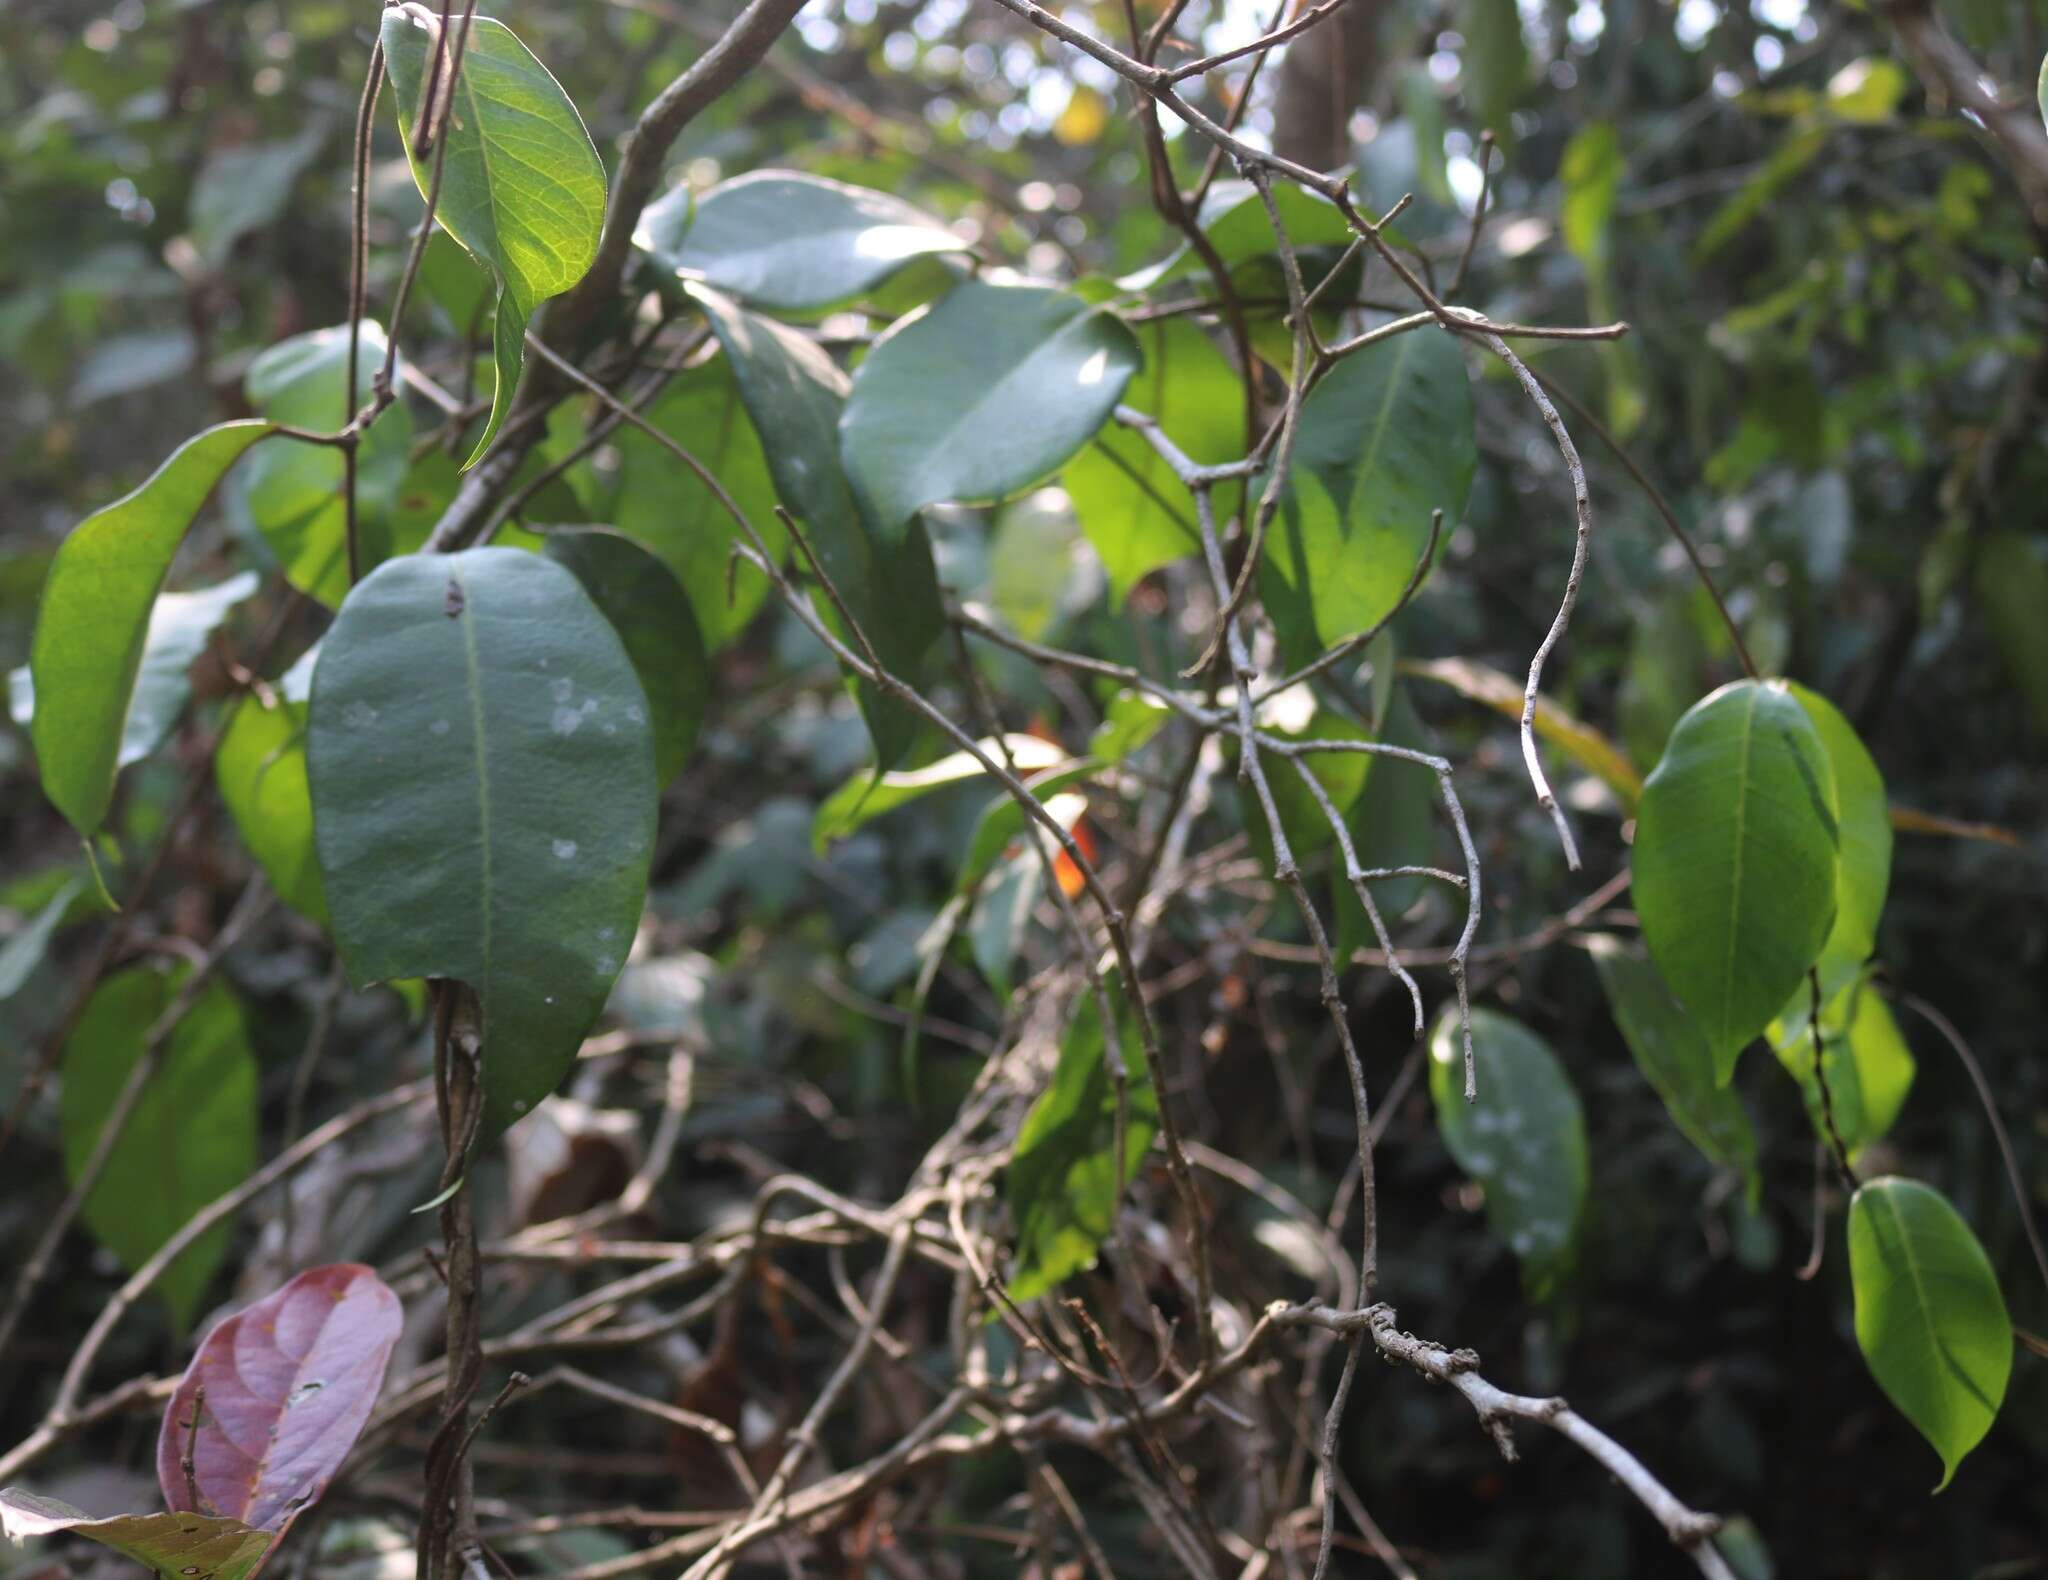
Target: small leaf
column 1134, row 510
column 1864, row 1056
column 865, row 797
column 1003, row 819
column 184, row 1545
column 191, row 1136
column 1577, row 739
column 796, row 396
column 1673, row 1055
column 95, row 619
column 1523, row 1138
column 1002, row 911
column 980, row 396
column 1064, row 1184
column 293, row 493
column 245, row 188
column 260, row 766
column 522, row 187
column 288, row 1382
column 1929, row 1316
column 482, row 767
column 1865, row 868
column 788, row 241
column 1384, row 440
column 1128, row 722
column 1735, row 857
column 29, row 943
column 646, row 606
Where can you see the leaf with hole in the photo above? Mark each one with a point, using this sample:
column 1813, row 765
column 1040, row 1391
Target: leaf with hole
column 482, row 765
column 1064, row 1183
column 1523, row 1138
column 1930, row 1319
column 191, row 1135
column 1735, row 859
column 788, row 241
column 522, row 187
column 984, row 394
column 94, row 622
column 287, row 1385
column 647, row 607
column 1385, row 439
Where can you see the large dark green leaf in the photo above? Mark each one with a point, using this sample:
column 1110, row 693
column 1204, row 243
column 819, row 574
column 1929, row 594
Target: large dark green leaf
column 191, row 1137
column 787, row 241
column 522, row 187
column 164, row 1544
column 482, row 766
column 1865, row 869
column 647, row 607
column 1523, row 1138
column 293, row 493
column 95, row 619
column 1064, row 1183
column 1674, row 1057
column 796, row 396
column 1384, row 440
column 1929, row 1316
column 1735, row 857
column 260, row 766
column 1132, row 507
column 986, row 393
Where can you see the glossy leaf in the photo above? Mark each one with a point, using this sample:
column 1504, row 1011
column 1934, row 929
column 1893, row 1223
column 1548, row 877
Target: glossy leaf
column 1735, row 857
column 796, row 396
column 1864, row 1056
column 1132, row 507
column 482, row 767
column 189, row 1546
column 191, row 1136
column 522, row 187
column 866, row 796
column 95, row 619
column 260, row 766
column 1673, row 1055
column 293, row 492
column 986, row 393
column 288, row 1384
column 1865, row 869
column 1384, row 440
column 1523, row 1138
column 1063, row 1183
column 788, row 241
column 1929, row 1316
column 646, row 606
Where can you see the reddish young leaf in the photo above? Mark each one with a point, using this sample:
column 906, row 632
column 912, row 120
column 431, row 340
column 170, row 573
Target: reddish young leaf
column 288, row 1384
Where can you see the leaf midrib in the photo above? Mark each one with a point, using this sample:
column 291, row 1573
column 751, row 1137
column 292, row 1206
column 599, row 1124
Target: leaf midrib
column 1924, row 1307
column 488, row 903
column 1735, row 875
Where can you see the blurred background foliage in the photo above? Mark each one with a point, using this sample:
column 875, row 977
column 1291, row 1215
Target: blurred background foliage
column 1836, row 377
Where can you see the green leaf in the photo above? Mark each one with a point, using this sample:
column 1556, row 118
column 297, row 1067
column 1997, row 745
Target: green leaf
column 1063, row 1182
column 1523, row 1138
column 1869, row 1068
column 659, row 502
column 1865, row 868
column 29, row 943
column 865, row 797
column 1396, row 817
column 1128, row 722
column 1384, row 440
column 1002, row 820
column 522, row 187
column 787, row 241
column 164, row 1544
column 1132, row 507
column 482, row 766
column 1577, row 739
column 796, row 395
column 1735, row 856
column 191, row 1136
column 1342, row 775
column 1002, row 910
column 1930, row 1319
column 984, row 394
column 242, row 189
column 260, row 766
column 2012, row 587
column 1673, row 1055
column 1495, row 66
column 95, row 619
column 293, row 493
column 646, row 606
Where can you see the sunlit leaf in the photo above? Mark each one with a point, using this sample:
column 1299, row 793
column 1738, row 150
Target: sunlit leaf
column 260, row 766
column 1864, row 1058
column 1865, row 870
column 867, row 796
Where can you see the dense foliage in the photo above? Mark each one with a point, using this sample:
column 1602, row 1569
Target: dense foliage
column 830, row 791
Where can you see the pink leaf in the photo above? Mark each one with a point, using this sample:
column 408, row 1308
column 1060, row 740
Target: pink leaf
column 288, row 1384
